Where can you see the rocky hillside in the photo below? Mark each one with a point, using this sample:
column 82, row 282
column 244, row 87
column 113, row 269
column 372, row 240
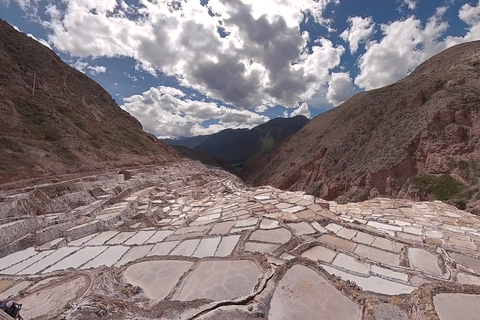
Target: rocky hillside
column 418, row 138
column 240, row 145
column 69, row 125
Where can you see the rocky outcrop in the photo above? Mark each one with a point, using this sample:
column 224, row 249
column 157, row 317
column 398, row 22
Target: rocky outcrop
column 417, row 138
column 66, row 123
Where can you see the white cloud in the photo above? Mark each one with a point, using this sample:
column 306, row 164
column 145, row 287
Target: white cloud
column 317, row 65
column 359, row 31
column 404, row 46
column 261, row 108
column 95, row 70
column 302, row 110
column 83, row 66
column 165, row 112
column 24, row 4
column 291, row 11
column 412, row 4
column 407, row 43
column 340, row 88
column 80, row 65
column 258, row 60
column 469, row 14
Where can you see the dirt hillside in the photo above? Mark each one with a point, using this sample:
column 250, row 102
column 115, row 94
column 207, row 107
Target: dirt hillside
column 70, row 124
column 417, row 138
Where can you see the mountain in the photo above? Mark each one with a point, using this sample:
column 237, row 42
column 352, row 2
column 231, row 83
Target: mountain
column 265, row 137
column 191, row 142
column 66, row 122
column 239, row 145
column 220, row 144
column 417, row 138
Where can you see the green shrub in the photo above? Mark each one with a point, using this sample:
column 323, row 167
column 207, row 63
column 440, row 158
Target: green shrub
column 462, row 165
column 442, row 187
column 469, row 170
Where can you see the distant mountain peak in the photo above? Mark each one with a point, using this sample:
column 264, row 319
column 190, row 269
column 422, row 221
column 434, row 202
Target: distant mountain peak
column 237, row 146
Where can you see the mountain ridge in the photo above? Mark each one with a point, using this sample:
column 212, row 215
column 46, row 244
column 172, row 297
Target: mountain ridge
column 385, row 141
column 67, row 123
column 239, row 145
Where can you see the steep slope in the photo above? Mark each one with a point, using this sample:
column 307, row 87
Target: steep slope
column 69, row 124
column 419, row 138
column 220, row 144
column 265, row 137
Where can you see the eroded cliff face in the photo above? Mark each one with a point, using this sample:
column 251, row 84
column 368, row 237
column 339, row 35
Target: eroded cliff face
column 417, row 138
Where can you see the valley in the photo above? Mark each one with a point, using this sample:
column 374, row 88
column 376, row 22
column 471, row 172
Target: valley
column 369, row 211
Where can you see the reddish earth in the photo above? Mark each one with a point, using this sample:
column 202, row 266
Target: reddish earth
column 417, row 138
column 70, row 125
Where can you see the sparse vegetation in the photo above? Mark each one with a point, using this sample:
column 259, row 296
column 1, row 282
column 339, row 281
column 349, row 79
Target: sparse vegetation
column 475, row 63
column 51, row 135
column 69, row 124
column 7, row 143
column 444, row 187
column 66, row 155
column 469, row 170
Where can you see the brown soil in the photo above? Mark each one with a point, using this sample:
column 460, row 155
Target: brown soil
column 70, row 124
column 397, row 140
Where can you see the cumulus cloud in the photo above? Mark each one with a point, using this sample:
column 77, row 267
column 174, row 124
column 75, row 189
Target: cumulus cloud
column 302, row 110
column 42, row 41
column 408, row 43
column 469, row 14
column 97, row 69
column 259, row 59
column 340, row 88
column 166, row 112
column 261, row 108
column 248, row 54
column 79, row 65
column 405, row 45
column 83, row 66
column 359, row 31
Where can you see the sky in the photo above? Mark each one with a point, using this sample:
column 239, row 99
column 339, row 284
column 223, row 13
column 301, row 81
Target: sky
column 193, row 67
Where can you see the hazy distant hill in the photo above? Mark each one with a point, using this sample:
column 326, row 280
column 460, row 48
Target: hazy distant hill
column 419, row 137
column 203, row 157
column 237, row 146
column 70, row 125
column 222, row 144
column 191, row 142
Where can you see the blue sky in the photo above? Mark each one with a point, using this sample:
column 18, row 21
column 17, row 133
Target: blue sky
column 190, row 67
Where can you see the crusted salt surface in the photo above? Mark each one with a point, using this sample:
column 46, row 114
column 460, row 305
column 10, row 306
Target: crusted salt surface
column 157, row 278
column 372, row 283
column 220, row 280
column 453, row 306
column 298, row 295
column 229, row 251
